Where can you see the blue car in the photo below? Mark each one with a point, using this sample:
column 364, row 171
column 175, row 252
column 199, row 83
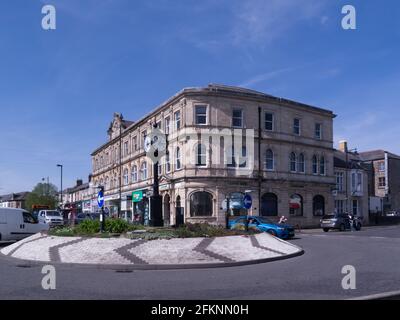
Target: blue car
column 263, row 224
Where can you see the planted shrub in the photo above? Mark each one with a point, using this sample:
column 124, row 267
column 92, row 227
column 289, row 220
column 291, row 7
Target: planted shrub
column 88, row 227
column 116, row 226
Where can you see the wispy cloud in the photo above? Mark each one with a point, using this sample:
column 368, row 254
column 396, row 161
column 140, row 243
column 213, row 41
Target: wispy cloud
column 260, row 21
column 266, row 76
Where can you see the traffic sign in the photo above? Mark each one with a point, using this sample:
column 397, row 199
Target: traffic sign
column 247, row 201
column 100, row 199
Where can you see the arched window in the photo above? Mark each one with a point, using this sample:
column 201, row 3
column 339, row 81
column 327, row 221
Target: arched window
column 301, row 164
column 322, row 165
column 178, row 164
column 111, row 183
column 107, row 185
column 293, row 164
column 134, row 175
column 319, row 206
column 269, row 160
column 101, row 182
column 143, row 171
column 201, row 204
column 315, row 165
column 269, row 205
column 296, row 205
column 126, row 177
column 201, row 155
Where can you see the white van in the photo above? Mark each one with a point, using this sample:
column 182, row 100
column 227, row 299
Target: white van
column 50, row 217
column 16, row 224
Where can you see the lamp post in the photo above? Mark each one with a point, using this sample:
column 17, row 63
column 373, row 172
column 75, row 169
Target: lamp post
column 61, row 191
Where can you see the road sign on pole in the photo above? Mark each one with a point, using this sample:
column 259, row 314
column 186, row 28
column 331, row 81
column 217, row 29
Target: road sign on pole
column 100, row 199
column 247, row 201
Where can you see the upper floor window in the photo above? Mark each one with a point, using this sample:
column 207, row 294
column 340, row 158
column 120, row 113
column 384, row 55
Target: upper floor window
column 144, row 136
column 293, row 162
column 382, row 182
column 318, row 131
column 356, row 181
column 381, row 166
column 201, row 155
column 296, row 126
column 269, row 160
column 339, row 181
column 269, row 121
column 134, row 144
column 167, row 163
column 178, row 164
column 126, row 177
column 126, row 148
column 143, row 171
column 301, row 163
column 177, row 117
column 159, row 168
column 167, row 125
column 322, row 166
column 315, row 165
column 158, row 124
column 237, row 118
column 134, row 174
column 201, row 114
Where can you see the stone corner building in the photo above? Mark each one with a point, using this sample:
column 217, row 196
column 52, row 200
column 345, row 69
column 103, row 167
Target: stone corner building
column 291, row 172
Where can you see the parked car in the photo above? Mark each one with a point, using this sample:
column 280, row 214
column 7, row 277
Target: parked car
column 51, row 217
column 16, row 224
column 86, row 216
column 340, row 222
column 265, row 225
column 393, row 213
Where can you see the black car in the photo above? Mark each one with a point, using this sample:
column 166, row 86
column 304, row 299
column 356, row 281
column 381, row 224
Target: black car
column 340, row 222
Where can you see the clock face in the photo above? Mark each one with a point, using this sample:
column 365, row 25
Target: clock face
column 147, row 144
column 159, row 142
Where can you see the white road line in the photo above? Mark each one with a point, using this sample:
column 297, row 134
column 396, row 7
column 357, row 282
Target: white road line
column 378, row 296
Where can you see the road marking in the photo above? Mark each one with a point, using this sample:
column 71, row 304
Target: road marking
column 378, row 296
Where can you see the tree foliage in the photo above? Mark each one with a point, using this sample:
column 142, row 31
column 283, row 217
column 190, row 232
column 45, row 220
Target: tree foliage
column 43, row 194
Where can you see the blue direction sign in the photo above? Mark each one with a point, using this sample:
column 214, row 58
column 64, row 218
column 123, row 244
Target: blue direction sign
column 247, row 201
column 100, row 199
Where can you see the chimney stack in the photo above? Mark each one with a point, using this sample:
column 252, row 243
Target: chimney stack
column 343, row 146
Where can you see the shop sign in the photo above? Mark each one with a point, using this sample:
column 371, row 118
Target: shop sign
column 137, row 196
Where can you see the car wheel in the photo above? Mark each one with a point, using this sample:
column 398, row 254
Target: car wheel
column 326, row 229
column 342, row 227
column 272, row 232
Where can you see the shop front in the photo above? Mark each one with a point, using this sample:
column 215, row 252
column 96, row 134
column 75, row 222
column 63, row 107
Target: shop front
column 140, row 207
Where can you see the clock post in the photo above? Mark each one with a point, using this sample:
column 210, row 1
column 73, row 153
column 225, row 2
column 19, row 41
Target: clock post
column 156, row 219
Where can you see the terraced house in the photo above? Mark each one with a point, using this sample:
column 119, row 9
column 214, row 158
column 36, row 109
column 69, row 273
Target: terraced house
column 222, row 142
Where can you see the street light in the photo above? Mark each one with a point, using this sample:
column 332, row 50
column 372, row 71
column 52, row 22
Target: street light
column 61, row 193
column 347, row 151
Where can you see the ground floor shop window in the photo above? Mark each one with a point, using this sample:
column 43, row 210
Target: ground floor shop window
column 296, row 205
column 201, row 204
column 269, row 205
column 319, row 206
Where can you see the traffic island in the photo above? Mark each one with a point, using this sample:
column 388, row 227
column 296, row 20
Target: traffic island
column 175, row 253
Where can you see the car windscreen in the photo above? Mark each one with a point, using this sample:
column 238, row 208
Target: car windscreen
column 53, row 214
column 328, row 216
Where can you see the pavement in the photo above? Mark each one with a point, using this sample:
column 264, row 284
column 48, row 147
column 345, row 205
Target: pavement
column 154, row 254
column 374, row 253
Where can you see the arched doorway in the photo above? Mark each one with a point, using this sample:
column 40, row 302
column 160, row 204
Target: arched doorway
column 296, row 205
column 269, row 205
column 167, row 210
column 319, row 205
column 179, row 212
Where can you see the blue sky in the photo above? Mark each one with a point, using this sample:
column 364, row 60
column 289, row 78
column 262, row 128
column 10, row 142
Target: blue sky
column 59, row 89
